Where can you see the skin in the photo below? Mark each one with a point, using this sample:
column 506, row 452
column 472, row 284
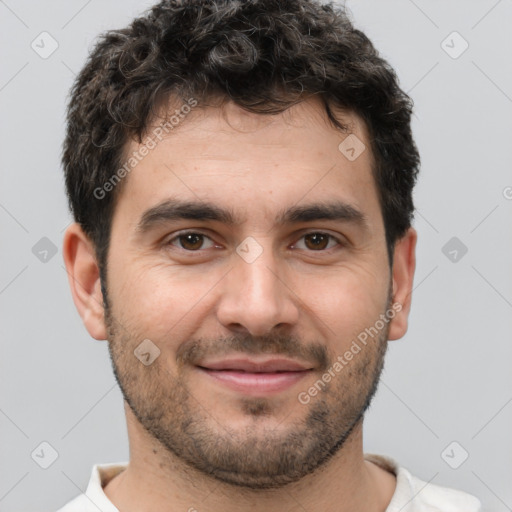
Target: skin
column 193, row 442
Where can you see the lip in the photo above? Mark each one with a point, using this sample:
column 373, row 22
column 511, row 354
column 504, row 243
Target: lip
column 256, row 366
column 256, row 377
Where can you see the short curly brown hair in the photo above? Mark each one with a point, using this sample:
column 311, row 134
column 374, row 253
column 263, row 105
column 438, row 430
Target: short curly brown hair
column 265, row 55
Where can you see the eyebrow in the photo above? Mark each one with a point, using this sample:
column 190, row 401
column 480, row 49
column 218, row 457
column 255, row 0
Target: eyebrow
column 175, row 209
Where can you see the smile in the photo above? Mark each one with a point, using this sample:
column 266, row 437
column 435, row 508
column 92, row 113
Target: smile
column 254, row 377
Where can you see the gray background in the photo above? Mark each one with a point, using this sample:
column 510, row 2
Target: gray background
column 449, row 379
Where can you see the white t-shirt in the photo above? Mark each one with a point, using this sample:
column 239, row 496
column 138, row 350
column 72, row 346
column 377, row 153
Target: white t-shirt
column 411, row 493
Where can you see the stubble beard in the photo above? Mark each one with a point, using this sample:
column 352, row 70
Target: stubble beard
column 256, row 457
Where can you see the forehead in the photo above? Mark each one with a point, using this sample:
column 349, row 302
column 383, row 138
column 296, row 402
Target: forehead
column 242, row 160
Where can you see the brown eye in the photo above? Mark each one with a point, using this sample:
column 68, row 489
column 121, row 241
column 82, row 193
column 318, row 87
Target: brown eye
column 317, row 241
column 191, row 241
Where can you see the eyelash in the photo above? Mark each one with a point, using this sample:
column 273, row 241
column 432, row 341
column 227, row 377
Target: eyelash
column 184, row 233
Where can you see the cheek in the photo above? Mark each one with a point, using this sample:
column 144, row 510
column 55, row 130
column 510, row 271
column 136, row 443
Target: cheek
column 159, row 300
column 347, row 304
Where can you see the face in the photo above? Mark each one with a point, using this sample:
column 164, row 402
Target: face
column 249, row 252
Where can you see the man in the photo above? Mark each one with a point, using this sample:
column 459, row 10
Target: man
column 241, row 177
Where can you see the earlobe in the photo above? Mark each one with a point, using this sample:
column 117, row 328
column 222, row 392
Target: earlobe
column 84, row 280
column 404, row 264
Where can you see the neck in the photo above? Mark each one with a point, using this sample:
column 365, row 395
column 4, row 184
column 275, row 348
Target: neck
column 157, row 480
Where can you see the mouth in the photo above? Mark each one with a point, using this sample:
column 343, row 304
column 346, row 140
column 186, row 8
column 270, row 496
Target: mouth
column 256, row 377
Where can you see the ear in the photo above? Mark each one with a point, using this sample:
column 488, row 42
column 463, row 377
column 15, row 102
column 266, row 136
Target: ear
column 404, row 264
column 84, row 280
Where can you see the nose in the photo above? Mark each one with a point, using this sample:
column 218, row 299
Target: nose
column 257, row 297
